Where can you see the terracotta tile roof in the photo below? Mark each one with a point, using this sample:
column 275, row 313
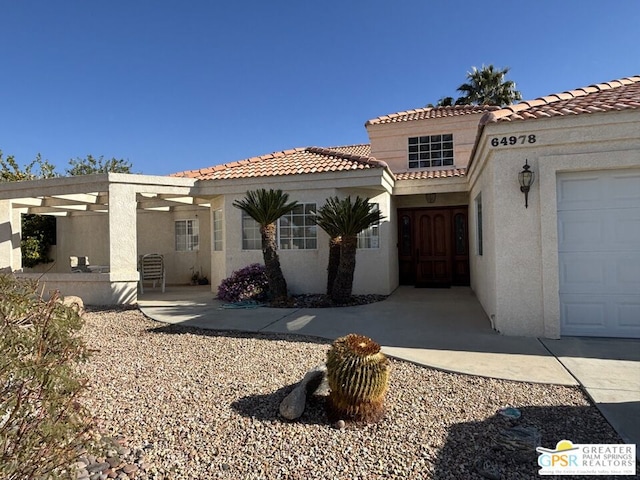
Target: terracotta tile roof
column 616, row 95
column 289, row 162
column 362, row 149
column 431, row 174
column 431, row 112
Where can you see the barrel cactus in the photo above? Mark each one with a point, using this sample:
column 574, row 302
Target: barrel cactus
column 358, row 378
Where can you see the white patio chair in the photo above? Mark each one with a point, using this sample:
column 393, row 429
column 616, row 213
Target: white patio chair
column 151, row 269
column 79, row 264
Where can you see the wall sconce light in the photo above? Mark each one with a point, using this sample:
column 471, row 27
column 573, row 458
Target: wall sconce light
column 526, row 178
column 431, row 197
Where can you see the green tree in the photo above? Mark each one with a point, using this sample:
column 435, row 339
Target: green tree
column 91, row 164
column 488, row 86
column 347, row 218
column 443, row 102
column 266, row 207
column 11, row 171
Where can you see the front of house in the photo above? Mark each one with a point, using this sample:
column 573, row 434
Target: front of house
column 446, row 181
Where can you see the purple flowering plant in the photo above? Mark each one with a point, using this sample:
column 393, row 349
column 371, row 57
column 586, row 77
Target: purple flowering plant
column 248, row 283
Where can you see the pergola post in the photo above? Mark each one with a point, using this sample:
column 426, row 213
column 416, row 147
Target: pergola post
column 10, row 229
column 122, row 230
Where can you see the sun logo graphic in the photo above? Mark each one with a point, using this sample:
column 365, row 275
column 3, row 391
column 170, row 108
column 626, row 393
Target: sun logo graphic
column 561, row 457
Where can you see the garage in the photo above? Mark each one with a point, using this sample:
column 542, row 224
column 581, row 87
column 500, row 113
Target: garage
column 599, row 253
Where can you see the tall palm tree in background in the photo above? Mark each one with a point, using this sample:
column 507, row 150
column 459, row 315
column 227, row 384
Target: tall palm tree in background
column 265, row 207
column 347, row 219
column 488, row 86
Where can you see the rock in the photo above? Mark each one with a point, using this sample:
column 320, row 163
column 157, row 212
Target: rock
column 339, row 425
column 521, row 442
column 130, row 468
column 114, row 461
column 82, row 474
column 323, row 388
column 98, row 467
column 123, row 450
column 488, row 468
column 74, row 302
column 292, row 406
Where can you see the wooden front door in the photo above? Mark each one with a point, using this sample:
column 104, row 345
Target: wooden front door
column 433, row 246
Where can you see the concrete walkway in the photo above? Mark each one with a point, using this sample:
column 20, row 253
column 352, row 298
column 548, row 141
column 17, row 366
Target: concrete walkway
column 441, row 328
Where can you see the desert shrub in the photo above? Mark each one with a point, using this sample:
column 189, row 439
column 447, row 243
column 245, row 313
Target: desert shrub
column 248, row 283
column 42, row 423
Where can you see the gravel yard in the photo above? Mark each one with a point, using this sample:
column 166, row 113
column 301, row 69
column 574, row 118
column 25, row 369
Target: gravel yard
column 197, row 404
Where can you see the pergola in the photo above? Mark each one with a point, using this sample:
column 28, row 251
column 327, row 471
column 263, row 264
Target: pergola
column 120, row 197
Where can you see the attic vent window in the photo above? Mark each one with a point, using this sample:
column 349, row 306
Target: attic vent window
column 431, row 151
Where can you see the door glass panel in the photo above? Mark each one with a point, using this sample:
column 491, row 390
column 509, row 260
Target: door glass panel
column 405, row 236
column 460, row 229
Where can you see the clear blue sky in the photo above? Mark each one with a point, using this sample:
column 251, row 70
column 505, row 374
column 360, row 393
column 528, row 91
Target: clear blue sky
column 176, row 85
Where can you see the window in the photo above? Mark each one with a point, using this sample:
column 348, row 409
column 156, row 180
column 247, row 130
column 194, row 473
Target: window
column 187, row 238
column 297, row 230
column 370, row 237
column 431, row 151
column 251, row 239
column 217, row 230
column 478, row 203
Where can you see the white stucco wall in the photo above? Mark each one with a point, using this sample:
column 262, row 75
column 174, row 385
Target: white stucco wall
column 483, row 266
column 523, row 242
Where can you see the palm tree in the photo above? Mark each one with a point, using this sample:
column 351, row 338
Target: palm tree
column 265, row 207
column 487, row 86
column 325, row 219
column 347, row 219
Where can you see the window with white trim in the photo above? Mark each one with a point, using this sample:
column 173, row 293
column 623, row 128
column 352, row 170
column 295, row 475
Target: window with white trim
column 217, row 230
column 251, row 238
column 187, row 235
column 297, row 229
column 430, row 151
column 370, row 237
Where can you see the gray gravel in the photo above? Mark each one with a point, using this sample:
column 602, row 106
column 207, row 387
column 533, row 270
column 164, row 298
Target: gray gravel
column 197, row 404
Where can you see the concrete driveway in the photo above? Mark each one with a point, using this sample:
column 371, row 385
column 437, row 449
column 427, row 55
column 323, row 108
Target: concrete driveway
column 441, row 328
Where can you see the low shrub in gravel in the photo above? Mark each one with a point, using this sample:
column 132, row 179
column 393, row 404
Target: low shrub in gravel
column 248, row 283
column 42, row 424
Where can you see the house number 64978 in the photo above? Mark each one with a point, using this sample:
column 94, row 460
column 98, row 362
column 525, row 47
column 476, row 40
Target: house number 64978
column 513, row 140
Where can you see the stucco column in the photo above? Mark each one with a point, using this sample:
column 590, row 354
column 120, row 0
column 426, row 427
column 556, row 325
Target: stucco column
column 10, row 257
column 122, row 230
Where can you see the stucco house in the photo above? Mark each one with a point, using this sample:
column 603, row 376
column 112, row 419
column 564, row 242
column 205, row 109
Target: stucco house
column 446, row 180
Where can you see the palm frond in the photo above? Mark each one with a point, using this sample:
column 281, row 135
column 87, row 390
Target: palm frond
column 343, row 218
column 265, row 206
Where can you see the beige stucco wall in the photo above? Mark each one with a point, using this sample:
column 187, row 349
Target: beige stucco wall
column 88, row 234
column 93, row 288
column 156, row 234
column 520, row 245
column 389, row 140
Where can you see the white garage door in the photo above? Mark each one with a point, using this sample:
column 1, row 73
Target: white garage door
column 599, row 253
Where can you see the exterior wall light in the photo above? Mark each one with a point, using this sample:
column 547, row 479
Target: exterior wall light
column 526, row 178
